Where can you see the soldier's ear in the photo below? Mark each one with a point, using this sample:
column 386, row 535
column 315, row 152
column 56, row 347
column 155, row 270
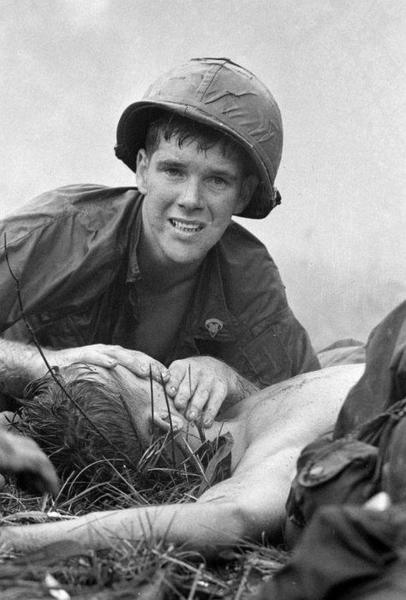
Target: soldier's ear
column 142, row 171
column 248, row 187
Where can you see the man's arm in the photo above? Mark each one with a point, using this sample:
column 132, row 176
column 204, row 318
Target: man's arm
column 22, row 363
column 227, row 514
column 205, row 528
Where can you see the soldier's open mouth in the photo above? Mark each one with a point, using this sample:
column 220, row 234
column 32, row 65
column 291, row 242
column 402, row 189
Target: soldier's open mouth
column 186, row 226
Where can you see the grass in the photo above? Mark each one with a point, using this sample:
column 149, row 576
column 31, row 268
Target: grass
column 147, row 570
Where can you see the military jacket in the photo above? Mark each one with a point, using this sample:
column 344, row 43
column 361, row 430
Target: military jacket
column 74, row 253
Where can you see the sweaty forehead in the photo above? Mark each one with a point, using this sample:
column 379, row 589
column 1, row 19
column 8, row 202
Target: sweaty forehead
column 115, row 380
column 134, row 390
column 123, row 381
column 89, row 371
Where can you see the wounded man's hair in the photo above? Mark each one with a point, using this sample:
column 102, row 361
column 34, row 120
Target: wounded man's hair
column 80, row 421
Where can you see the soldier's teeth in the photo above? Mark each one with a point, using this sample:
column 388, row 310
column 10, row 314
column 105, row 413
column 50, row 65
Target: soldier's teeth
column 185, row 226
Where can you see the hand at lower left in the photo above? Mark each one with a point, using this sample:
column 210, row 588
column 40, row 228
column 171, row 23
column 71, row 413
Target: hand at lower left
column 22, row 456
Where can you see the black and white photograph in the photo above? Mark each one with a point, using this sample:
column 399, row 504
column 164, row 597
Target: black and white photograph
column 203, row 299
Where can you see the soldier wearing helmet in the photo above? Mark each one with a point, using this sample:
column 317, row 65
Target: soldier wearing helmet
column 158, row 278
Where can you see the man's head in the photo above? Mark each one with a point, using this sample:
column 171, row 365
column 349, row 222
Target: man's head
column 104, row 414
column 74, row 441
column 227, row 99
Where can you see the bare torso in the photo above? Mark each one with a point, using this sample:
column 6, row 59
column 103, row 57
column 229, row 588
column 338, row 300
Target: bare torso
column 269, row 429
column 287, row 414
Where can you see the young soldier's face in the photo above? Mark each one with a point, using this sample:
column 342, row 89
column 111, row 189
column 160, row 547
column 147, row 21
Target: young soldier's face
column 190, row 197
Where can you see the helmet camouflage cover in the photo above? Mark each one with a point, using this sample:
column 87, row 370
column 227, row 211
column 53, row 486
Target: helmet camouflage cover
column 222, row 95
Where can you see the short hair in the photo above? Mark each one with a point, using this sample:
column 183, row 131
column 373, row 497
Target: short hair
column 167, row 125
column 80, row 421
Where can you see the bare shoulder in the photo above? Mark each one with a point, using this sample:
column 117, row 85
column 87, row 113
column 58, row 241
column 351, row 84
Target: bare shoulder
column 292, row 412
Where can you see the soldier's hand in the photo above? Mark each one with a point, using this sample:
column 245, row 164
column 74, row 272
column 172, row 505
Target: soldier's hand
column 200, row 384
column 104, row 355
column 23, row 457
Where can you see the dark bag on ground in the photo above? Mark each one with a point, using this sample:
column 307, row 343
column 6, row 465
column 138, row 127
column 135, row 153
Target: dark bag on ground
column 346, row 553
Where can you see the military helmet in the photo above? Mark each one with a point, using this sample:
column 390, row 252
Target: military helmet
column 222, row 95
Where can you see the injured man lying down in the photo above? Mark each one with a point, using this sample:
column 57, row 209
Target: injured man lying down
column 104, row 414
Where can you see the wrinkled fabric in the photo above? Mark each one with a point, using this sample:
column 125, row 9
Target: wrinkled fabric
column 74, row 252
column 346, row 552
column 342, row 352
column 331, row 472
column 384, row 380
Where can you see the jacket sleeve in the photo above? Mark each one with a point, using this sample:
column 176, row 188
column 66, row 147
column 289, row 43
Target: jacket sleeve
column 56, row 252
column 282, row 350
column 37, row 255
column 272, row 344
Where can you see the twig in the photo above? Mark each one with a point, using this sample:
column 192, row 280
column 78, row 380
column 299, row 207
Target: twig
column 195, row 583
column 151, row 384
column 170, row 422
column 133, row 424
column 243, row 582
column 44, row 501
column 199, row 428
column 209, row 576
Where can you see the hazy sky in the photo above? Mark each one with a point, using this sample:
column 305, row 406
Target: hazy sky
column 337, row 70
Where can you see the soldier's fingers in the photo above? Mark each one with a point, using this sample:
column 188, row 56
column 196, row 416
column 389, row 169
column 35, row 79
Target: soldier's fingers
column 197, row 403
column 178, row 373
column 165, row 422
column 214, row 403
column 139, row 363
column 184, row 394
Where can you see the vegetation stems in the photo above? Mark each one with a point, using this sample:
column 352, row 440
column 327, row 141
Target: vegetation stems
column 170, row 422
column 152, row 402
column 198, row 425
